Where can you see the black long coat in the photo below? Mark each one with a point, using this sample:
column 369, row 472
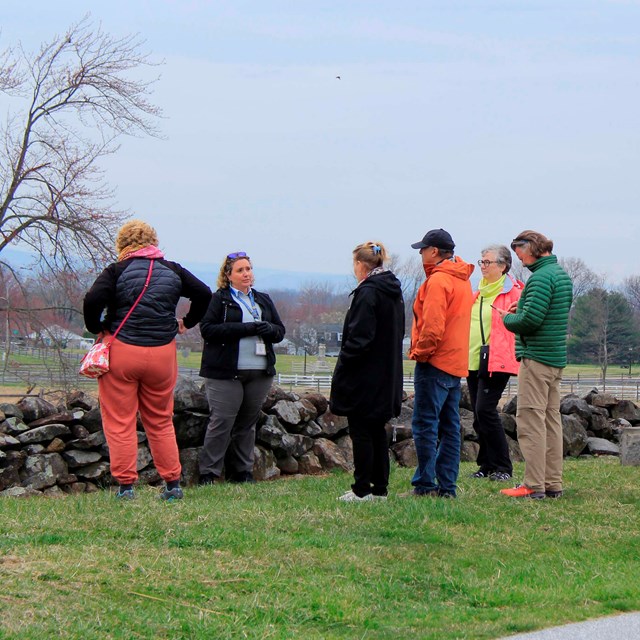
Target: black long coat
column 367, row 381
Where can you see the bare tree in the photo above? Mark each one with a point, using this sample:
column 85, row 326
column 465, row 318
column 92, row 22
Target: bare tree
column 316, row 298
column 519, row 271
column 411, row 274
column 631, row 291
column 75, row 100
column 583, row 278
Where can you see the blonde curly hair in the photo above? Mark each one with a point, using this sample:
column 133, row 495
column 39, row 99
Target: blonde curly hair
column 134, row 235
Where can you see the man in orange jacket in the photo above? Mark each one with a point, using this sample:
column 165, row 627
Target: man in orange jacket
column 440, row 347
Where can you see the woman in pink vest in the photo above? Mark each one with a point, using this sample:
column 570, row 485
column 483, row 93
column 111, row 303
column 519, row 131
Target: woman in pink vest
column 492, row 360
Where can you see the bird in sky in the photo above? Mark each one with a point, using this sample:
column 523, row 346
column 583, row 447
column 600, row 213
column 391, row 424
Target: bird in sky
column 338, row 78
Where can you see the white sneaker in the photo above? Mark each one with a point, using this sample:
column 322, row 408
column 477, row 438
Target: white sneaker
column 352, row 497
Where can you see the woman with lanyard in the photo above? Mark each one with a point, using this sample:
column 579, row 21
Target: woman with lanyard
column 492, row 360
column 240, row 328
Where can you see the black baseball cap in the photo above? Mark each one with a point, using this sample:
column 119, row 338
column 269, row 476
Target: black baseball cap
column 438, row 238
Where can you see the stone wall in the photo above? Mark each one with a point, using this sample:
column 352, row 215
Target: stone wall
column 57, row 450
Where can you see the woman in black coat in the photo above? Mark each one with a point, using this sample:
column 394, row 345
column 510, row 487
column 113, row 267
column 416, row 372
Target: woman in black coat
column 240, row 328
column 367, row 381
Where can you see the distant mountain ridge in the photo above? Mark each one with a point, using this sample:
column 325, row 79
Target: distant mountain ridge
column 266, row 279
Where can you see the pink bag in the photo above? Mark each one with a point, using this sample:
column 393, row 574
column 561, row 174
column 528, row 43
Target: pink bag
column 96, row 360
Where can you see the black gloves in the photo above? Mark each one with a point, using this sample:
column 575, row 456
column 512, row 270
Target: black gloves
column 262, row 328
column 251, row 327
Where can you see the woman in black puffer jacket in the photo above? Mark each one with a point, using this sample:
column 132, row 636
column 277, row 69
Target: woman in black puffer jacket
column 143, row 362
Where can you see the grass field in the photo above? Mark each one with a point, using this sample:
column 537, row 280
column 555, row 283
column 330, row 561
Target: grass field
column 285, row 560
column 289, row 364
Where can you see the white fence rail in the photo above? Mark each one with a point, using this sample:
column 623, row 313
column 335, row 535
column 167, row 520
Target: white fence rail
column 622, row 388
column 64, row 371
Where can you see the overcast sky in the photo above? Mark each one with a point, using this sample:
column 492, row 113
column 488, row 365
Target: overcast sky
column 485, row 118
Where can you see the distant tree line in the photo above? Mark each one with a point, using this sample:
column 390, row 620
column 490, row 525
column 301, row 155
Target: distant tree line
column 604, row 324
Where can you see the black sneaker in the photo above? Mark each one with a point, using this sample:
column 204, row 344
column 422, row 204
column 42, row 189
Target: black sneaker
column 553, row 494
column 207, row 479
column 480, row 474
column 242, row 477
column 500, row 476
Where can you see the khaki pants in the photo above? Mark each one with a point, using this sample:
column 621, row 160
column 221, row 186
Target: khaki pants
column 540, row 425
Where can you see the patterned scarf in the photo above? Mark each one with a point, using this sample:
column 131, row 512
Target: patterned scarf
column 375, row 272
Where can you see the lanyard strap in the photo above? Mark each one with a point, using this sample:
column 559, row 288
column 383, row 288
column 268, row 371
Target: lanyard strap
column 481, row 326
column 253, row 309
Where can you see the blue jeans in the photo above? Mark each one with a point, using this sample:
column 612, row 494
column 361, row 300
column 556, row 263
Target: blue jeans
column 436, row 430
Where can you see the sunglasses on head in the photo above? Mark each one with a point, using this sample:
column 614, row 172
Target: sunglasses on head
column 238, row 254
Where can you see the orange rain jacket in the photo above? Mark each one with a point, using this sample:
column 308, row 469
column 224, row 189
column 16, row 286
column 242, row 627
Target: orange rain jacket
column 442, row 316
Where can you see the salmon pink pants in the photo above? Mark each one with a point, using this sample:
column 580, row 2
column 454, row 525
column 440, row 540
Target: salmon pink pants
column 140, row 379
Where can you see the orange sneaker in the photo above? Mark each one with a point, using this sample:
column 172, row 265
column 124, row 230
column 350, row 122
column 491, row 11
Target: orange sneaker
column 522, row 491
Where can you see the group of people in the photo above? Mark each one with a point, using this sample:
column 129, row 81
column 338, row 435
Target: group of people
column 504, row 328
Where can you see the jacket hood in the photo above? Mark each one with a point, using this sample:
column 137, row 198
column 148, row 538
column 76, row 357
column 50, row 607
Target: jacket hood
column 385, row 282
column 457, row 267
column 512, row 283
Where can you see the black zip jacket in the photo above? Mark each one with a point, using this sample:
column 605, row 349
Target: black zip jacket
column 367, row 380
column 222, row 329
column 153, row 322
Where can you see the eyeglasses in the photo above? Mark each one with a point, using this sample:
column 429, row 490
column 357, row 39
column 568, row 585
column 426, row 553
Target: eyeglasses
column 239, row 254
column 486, row 263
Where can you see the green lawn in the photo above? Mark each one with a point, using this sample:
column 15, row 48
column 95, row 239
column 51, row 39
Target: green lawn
column 285, row 560
column 290, row 364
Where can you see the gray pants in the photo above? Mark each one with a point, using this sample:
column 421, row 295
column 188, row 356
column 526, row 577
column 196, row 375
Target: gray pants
column 235, row 406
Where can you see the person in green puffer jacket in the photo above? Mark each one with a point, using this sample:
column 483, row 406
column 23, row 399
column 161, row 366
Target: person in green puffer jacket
column 540, row 322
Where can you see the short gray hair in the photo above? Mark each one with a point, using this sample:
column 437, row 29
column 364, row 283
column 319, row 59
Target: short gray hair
column 503, row 255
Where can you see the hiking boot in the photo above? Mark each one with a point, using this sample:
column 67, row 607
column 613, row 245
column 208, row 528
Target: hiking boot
column 171, row 495
column 500, row 476
column 522, row 491
column 550, row 493
column 125, row 494
column 352, row 497
column 207, row 479
column 480, row 474
column 242, row 477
